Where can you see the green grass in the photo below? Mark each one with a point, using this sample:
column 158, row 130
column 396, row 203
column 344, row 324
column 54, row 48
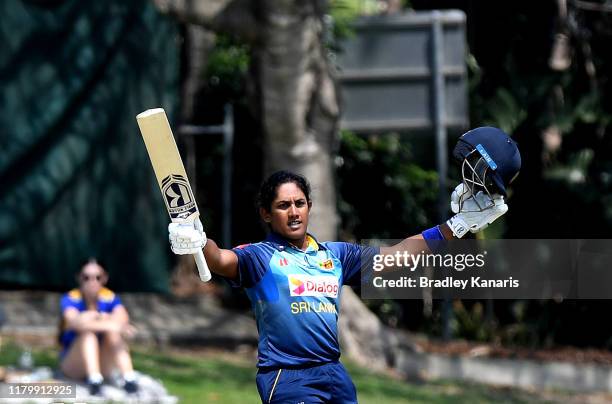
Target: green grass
column 200, row 379
column 221, row 378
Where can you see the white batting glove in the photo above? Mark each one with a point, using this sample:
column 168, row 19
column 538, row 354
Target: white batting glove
column 477, row 211
column 187, row 238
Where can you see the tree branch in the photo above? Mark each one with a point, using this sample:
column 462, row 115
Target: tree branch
column 232, row 17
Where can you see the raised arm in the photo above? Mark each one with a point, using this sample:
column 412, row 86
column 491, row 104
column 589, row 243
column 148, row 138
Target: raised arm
column 473, row 213
column 490, row 161
column 415, row 244
column 221, row 261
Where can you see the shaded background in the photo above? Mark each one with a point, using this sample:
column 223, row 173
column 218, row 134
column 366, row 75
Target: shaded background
column 75, row 180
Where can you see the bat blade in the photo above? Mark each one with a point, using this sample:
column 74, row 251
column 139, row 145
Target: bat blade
column 168, row 166
column 170, row 173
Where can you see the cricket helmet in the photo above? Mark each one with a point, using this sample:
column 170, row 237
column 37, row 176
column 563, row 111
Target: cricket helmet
column 490, row 160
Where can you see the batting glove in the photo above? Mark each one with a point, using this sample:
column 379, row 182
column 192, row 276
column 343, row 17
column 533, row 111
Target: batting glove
column 187, row 238
column 474, row 212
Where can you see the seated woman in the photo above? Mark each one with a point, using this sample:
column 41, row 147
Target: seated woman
column 93, row 331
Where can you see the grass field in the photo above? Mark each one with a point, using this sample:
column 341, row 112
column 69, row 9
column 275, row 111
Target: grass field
column 216, row 377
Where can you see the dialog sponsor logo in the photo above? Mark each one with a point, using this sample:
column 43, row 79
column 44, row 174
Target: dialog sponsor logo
column 307, row 285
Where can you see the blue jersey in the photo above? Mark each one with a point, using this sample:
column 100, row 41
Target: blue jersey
column 295, row 296
column 107, row 301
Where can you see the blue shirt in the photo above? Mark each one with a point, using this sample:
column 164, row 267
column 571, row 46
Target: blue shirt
column 107, row 301
column 295, row 296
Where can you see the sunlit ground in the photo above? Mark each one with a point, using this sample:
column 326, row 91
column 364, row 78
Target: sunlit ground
column 220, row 377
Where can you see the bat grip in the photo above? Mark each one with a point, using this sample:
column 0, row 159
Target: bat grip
column 202, row 266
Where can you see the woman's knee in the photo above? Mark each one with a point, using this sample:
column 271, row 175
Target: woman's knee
column 113, row 339
column 87, row 337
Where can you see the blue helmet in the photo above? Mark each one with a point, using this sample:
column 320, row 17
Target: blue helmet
column 490, row 159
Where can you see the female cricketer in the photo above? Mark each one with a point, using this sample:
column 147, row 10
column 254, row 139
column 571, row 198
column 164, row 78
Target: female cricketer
column 294, row 281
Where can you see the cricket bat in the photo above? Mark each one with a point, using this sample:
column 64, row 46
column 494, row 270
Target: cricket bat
column 170, row 173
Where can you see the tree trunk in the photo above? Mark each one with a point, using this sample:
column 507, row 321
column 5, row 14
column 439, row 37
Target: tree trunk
column 298, row 103
column 363, row 337
column 198, row 44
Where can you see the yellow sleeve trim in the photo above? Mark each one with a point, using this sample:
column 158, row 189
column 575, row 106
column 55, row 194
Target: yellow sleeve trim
column 75, row 294
column 106, row 295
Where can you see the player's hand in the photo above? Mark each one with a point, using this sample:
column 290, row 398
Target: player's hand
column 128, row 331
column 187, row 238
column 474, row 212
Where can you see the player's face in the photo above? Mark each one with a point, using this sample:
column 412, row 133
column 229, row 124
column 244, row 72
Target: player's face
column 92, row 278
column 289, row 213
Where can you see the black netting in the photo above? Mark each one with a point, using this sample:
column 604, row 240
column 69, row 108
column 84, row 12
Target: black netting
column 75, row 177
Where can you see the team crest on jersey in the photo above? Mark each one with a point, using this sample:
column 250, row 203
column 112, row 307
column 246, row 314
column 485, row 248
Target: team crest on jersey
column 178, row 197
column 327, row 264
column 310, row 285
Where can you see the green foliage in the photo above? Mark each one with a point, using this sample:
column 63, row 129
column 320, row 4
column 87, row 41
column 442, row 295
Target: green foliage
column 344, row 12
column 384, row 190
column 504, row 111
column 228, row 64
column 575, row 170
column 389, row 311
column 470, row 321
column 588, row 109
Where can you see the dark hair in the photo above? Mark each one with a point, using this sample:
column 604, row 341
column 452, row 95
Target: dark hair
column 90, row 260
column 267, row 191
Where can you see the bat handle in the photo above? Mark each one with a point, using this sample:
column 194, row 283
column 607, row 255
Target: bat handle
column 202, row 266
